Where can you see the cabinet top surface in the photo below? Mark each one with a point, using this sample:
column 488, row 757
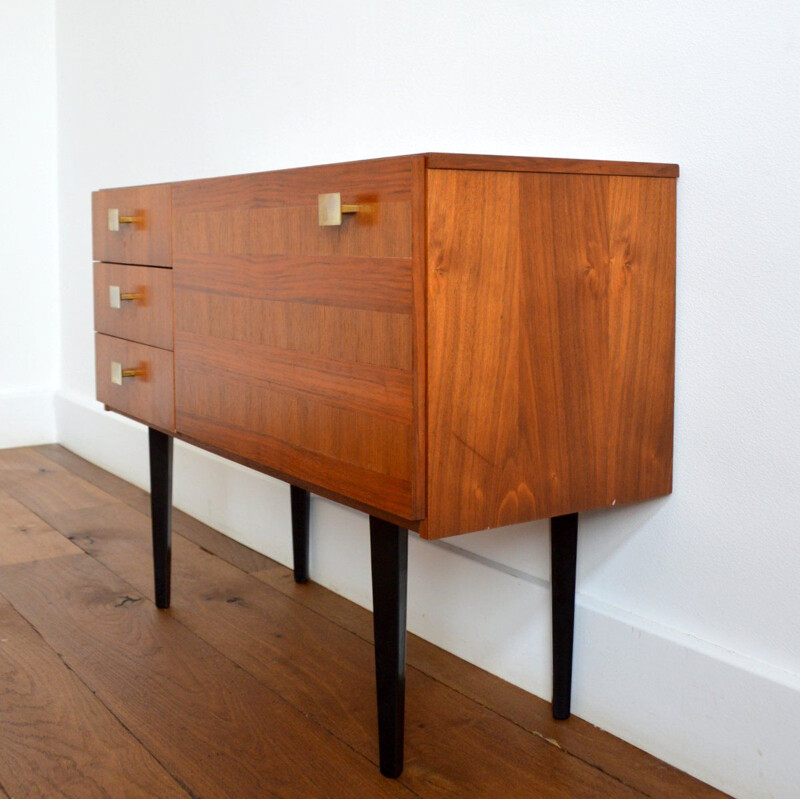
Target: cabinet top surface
column 465, row 161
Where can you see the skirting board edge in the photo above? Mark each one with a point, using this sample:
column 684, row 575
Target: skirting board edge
column 27, row 418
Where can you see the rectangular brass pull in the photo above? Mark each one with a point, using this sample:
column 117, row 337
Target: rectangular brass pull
column 330, row 208
column 116, row 297
column 115, row 220
column 118, row 373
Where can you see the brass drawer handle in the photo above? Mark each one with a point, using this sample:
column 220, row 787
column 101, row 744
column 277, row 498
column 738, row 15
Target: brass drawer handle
column 330, row 208
column 115, row 220
column 118, row 373
column 117, row 297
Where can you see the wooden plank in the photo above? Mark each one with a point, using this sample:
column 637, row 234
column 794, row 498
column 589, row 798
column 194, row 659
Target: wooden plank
column 581, row 739
column 551, row 345
column 150, row 396
column 43, row 486
column 215, row 728
column 146, row 319
column 575, row 166
column 282, row 644
column 56, row 737
column 195, row 531
column 148, row 240
column 26, row 537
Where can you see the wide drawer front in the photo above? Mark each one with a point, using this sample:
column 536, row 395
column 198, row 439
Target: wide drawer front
column 134, row 303
column 133, row 225
column 136, row 379
column 312, row 378
column 281, row 213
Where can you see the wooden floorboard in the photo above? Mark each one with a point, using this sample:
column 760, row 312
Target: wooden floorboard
column 629, row 764
column 26, row 537
column 214, row 727
column 303, row 648
column 56, row 738
column 283, row 644
column 226, row 548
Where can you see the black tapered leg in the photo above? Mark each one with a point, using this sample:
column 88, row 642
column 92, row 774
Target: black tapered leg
column 301, row 502
column 563, row 555
column 161, row 512
column 389, row 548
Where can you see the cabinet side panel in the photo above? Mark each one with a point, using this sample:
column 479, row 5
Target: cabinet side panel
column 551, row 345
column 642, row 337
column 473, row 353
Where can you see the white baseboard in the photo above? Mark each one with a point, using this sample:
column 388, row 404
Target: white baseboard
column 26, row 418
column 725, row 718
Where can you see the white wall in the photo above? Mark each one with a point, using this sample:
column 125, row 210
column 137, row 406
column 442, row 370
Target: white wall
column 687, row 627
column 28, row 249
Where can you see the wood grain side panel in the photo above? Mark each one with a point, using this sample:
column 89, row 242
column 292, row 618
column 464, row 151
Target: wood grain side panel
column 275, row 213
column 564, row 342
column 149, row 397
column 372, row 284
column 147, row 241
column 575, row 166
column 148, row 319
column 551, row 330
column 473, row 353
column 419, row 384
column 642, row 336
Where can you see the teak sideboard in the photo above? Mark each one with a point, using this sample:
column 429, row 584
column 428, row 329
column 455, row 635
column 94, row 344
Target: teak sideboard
column 448, row 343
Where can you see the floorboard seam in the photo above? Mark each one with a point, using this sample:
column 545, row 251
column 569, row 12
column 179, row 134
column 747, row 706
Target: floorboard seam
column 236, row 665
column 274, row 691
column 532, row 732
column 176, row 528
column 96, row 696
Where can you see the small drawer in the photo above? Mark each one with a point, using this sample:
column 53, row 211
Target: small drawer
column 133, row 226
column 134, row 303
column 136, row 379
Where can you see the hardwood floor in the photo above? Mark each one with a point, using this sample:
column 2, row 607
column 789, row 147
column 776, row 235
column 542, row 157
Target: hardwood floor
column 250, row 686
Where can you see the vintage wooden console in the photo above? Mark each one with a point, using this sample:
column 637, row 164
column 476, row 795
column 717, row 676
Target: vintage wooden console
column 449, row 343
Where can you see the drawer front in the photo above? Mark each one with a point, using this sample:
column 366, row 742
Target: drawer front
column 133, row 225
column 314, row 383
column 134, row 303
column 297, row 345
column 148, row 394
column 278, row 213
